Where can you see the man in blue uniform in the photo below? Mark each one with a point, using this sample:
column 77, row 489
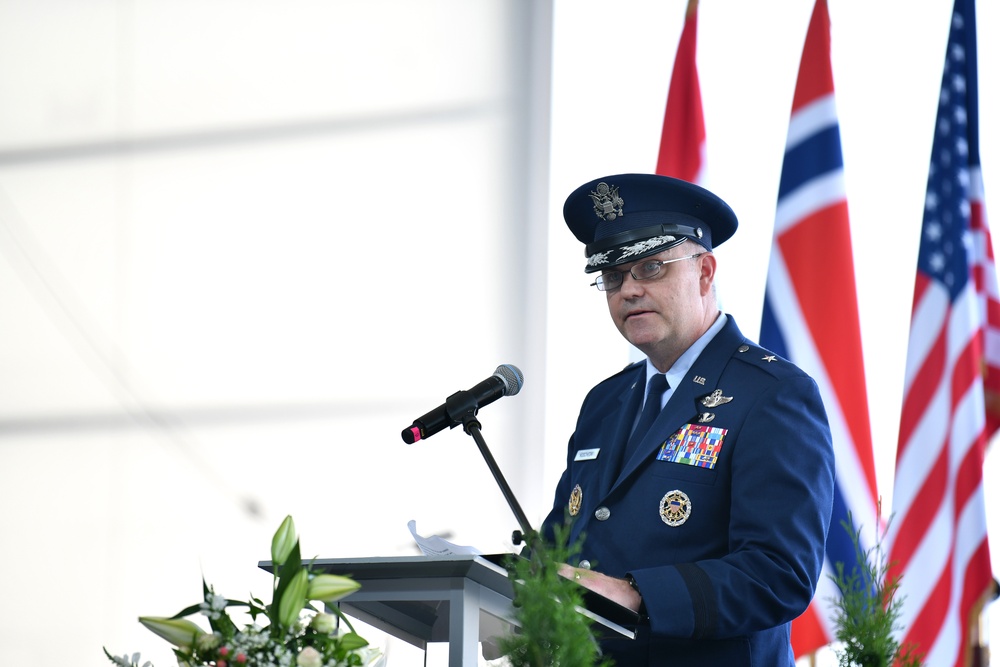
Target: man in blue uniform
column 707, row 509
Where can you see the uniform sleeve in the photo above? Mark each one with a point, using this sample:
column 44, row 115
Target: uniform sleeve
column 781, row 503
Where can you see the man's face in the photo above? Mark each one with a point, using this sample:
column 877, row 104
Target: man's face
column 665, row 314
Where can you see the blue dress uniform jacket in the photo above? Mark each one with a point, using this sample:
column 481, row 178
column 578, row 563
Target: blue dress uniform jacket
column 721, row 586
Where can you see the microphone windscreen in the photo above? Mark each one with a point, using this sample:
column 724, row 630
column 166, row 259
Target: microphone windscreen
column 512, row 378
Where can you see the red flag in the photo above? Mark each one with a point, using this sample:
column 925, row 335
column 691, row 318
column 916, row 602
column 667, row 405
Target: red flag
column 682, row 143
column 938, row 541
column 810, row 313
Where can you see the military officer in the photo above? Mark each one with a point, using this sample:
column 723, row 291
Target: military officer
column 703, row 502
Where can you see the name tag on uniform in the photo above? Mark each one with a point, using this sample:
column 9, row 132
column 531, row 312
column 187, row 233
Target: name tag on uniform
column 587, row 454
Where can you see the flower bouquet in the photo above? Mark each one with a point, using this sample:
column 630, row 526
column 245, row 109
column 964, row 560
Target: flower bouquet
column 296, row 632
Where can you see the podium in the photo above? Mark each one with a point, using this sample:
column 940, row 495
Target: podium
column 462, row 600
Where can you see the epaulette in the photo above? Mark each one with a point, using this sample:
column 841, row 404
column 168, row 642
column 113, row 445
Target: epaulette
column 774, row 364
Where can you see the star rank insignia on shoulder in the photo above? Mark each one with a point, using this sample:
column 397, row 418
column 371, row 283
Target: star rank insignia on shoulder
column 758, row 355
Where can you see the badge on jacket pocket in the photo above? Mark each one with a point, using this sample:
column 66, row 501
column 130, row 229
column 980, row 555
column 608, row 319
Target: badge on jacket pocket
column 675, row 508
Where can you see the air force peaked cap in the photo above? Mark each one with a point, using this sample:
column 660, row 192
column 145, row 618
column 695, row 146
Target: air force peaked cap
column 630, row 216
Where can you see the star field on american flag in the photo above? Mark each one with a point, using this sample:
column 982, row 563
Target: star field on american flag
column 947, row 243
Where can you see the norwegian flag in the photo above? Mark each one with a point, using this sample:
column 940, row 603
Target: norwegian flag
column 682, row 142
column 811, row 314
column 937, row 539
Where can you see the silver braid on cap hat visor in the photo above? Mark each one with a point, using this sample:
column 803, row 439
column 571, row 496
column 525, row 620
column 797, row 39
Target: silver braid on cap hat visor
column 633, row 250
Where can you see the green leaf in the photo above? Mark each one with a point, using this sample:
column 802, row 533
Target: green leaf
column 352, row 641
column 188, row 611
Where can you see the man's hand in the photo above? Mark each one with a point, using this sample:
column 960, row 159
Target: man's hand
column 618, row 590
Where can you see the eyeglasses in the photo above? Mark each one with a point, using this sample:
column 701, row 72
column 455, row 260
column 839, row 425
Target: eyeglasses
column 644, row 270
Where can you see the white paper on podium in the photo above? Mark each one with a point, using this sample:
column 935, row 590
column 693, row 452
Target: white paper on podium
column 438, row 546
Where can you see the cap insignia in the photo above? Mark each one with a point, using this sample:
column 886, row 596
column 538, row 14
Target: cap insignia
column 607, row 203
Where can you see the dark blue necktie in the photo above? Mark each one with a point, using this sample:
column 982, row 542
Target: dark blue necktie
column 650, row 410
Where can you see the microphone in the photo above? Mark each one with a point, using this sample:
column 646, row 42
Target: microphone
column 505, row 381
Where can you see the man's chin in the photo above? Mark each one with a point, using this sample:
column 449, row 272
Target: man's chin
column 643, row 343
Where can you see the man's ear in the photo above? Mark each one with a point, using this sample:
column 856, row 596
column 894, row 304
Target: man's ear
column 707, row 272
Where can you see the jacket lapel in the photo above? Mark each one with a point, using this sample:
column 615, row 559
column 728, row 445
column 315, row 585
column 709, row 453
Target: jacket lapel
column 620, row 427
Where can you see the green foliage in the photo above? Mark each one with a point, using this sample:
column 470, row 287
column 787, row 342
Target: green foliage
column 867, row 613
column 552, row 633
column 296, row 631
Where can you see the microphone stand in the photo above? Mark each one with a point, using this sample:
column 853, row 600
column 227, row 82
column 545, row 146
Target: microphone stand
column 462, row 407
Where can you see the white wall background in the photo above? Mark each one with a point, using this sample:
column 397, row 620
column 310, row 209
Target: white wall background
column 242, row 244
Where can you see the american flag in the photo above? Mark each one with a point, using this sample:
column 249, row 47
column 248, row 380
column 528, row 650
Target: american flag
column 937, row 538
column 811, row 314
column 682, row 142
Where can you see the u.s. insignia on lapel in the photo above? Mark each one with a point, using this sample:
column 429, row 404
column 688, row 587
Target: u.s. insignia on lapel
column 675, row 508
column 575, row 500
column 715, row 399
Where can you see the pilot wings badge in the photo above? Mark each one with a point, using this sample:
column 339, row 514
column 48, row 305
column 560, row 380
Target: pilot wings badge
column 607, row 203
column 715, row 399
